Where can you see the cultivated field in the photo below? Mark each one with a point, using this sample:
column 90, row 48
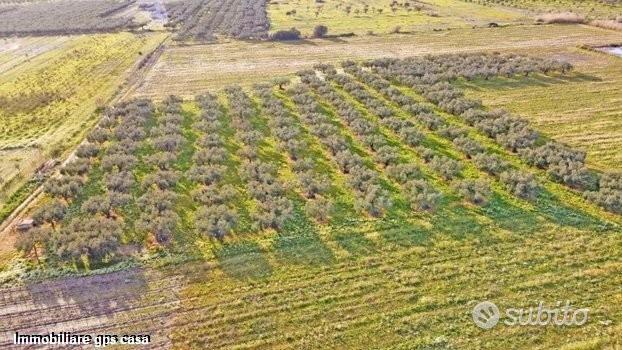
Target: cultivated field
column 204, row 20
column 583, row 112
column 371, row 208
column 591, row 8
column 195, row 69
column 224, row 188
column 65, row 17
column 49, row 96
column 366, row 17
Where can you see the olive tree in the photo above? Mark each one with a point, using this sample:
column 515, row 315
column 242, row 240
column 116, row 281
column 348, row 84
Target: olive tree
column 520, row 184
column 93, row 238
column 51, row 212
column 28, row 242
column 475, row 191
column 216, row 220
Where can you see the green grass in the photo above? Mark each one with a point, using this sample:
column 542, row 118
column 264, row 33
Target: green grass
column 590, row 8
column 50, row 100
column 580, row 109
column 380, row 19
column 386, row 294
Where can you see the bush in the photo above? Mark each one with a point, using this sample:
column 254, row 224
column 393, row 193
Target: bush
column 387, row 155
column 563, row 17
column 468, row 146
column 490, row 163
column 285, row 35
column 157, row 200
column 475, row 191
column 207, row 174
column 452, row 132
column 213, row 195
column 98, row 135
column 274, row 213
column 79, row 166
column 374, row 201
column 520, row 184
column 575, row 175
column 216, row 220
column 552, row 153
column 321, row 209
column 421, row 195
column 311, row 184
column 120, row 162
column 403, row 173
column 95, row 238
column 163, row 179
column 162, row 225
column 320, row 31
column 162, row 160
column 87, row 150
column 347, row 161
column 609, row 194
column 446, row 167
column 119, row 181
column 29, row 241
column 411, row 136
column 64, row 186
column 51, row 213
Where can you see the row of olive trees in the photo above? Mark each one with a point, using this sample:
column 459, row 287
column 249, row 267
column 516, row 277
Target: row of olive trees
column 217, row 215
column 459, row 136
column 421, row 195
column 274, row 207
column 365, row 182
column 156, row 203
column 432, row 76
column 287, row 130
column 71, row 228
column 204, row 20
column 563, row 164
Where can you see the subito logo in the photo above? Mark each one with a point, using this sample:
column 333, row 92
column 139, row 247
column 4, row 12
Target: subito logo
column 486, row 315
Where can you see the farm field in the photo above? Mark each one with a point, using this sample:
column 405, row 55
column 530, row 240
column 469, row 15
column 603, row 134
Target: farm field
column 364, row 17
column 582, row 112
column 49, row 99
column 375, row 289
column 195, row 69
column 16, row 51
column 65, row 17
column 229, row 174
column 207, row 20
column 332, row 197
column 590, row 8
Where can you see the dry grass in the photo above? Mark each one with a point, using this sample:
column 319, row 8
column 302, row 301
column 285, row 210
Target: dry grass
column 193, row 69
column 608, row 24
column 561, row 18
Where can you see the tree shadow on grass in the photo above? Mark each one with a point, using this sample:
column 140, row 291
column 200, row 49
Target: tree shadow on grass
column 299, row 242
column 68, row 299
column 355, row 243
column 517, row 82
column 557, row 212
column 457, row 221
column 510, row 217
column 243, row 261
column 407, row 235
